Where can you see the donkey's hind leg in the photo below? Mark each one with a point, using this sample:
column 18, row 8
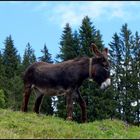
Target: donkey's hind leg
column 27, row 92
column 39, row 97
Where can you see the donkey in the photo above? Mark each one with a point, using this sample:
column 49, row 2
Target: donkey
column 65, row 78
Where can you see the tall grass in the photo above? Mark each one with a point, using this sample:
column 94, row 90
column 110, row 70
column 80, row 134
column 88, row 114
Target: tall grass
column 29, row 125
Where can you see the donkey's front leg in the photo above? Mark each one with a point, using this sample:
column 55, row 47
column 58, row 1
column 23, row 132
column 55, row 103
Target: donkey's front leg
column 69, row 105
column 82, row 104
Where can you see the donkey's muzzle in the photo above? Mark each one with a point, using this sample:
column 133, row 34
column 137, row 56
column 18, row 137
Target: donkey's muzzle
column 106, row 83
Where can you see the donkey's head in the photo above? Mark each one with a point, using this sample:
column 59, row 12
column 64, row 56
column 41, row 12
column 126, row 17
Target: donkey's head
column 100, row 68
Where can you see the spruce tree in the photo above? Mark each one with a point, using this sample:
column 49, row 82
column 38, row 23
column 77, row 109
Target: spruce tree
column 15, row 93
column 98, row 103
column 10, row 64
column 2, row 72
column 126, row 44
column 29, row 56
column 124, row 59
column 46, row 55
column 46, row 106
column 10, row 58
column 67, row 51
column 116, row 68
column 76, row 45
column 87, row 35
column 135, row 80
column 2, row 99
column 98, row 40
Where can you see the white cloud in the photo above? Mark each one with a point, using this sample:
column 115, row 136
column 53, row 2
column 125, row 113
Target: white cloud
column 74, row 11
column 41, row 6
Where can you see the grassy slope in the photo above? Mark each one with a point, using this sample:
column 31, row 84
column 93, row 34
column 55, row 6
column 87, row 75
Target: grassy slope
column 30, row 125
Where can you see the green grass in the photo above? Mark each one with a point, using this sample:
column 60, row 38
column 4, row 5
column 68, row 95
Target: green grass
column 15, row 125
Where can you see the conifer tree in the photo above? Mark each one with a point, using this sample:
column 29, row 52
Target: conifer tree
column 124, row 59
column 116, row 68
column 98, row 40
column 2, row 99
column 10, row 58
column 87, row 35
column 98, row 104
column 67, row 51
column 126, row 44
column 28, row 57
column 135, row 80
column 1, row 71
column 46, row 106
column 76, row 45
column 46, row 55
column 10, row 64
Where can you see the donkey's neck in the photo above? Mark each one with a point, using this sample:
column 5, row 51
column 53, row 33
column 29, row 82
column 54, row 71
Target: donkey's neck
column 84, row 68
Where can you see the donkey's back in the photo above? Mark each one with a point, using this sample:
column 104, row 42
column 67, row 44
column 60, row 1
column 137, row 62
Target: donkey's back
column 65, row 74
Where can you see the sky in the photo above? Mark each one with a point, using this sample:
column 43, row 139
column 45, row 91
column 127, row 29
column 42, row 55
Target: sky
column 42, row 22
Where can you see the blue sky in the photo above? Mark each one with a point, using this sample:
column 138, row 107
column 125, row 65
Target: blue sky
column 40, row 22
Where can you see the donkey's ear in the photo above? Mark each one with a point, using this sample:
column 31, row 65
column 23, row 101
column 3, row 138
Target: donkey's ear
column 105, row 52
column 94, row 49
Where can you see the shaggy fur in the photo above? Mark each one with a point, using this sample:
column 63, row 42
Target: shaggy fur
column 64, row 78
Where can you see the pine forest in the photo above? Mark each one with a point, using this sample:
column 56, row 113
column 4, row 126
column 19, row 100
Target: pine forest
column 120, row 101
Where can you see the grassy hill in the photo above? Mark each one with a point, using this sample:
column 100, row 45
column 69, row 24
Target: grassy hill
column 29, row 125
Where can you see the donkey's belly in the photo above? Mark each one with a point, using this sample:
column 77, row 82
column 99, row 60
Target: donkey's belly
column 52, row 91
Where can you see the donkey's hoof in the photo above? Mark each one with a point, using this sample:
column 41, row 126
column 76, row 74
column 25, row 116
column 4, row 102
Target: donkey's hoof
column 69, row 118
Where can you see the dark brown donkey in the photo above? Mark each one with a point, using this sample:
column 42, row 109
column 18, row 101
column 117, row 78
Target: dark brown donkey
column 65, row 78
